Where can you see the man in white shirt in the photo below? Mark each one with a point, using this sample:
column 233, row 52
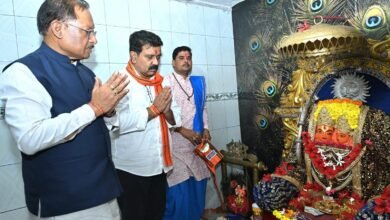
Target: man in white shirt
column 141, row 142
column 54, row 108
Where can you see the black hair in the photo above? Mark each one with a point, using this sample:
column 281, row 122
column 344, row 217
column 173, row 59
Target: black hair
column 61, row 10
column 141, row 38
column 180, row 49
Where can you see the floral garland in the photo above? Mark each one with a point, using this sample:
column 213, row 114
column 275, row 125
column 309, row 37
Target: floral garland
column 318, row 161
column 350, row 202
column 281, row 170
column 337, row 107
column 238, row 202
column 333, row 144
column 312, row 193
column 284, row 214
column 382, row 203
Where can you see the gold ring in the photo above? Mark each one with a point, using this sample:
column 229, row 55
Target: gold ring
column 112, row 87
column 115, row 92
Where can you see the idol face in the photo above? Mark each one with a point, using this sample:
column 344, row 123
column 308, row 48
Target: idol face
column 342, row 138
column 324, row 133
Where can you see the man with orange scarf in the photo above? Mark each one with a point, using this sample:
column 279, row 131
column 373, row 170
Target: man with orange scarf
column 141, row 141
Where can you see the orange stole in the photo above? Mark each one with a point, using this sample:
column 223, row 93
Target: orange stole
column 156, row 83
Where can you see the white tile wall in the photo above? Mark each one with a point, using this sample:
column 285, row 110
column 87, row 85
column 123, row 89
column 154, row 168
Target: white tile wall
column 117, row 66
column 11, row 185
column 140, row 15
column 9, row 153
column 28, row 38
column 208, row 31
column 179, row 39
column 160, row 15
column 196, row 19
column 98, row 11
column 117, row 13
column 179, row 19
column 214, row 79
column 213, row 50
column 229, row 78
column 165, row 69
column 2, row 65
column 227, row 51
column 8, row 45
column 6, row 7
column 102, row 70
column 225, row 23
column 232, row 113
column 27, row 8
column 198, row 47
column 211, row 18
column 219, row 138
column 200, row 70
column 233, row 134
column 217, row 114
column 118, row 44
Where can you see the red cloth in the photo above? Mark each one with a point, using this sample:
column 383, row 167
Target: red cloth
column 268, row 216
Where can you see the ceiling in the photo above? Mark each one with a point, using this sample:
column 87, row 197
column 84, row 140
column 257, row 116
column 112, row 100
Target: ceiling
column 224, row 4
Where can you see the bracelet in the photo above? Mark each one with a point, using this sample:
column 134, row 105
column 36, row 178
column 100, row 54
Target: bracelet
column 155, row 110
column 110, row 114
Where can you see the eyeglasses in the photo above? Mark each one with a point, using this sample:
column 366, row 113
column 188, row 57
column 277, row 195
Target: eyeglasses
column 89, row 32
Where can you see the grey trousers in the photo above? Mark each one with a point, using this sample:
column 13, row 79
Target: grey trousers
column 106, row 211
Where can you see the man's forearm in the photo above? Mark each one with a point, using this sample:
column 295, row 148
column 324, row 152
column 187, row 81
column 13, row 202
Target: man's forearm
column 170, row 117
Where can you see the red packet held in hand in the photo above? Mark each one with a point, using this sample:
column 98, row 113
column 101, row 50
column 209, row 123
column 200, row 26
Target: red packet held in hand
column 209, row 154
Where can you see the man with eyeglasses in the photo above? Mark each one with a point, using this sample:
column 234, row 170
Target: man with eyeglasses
column 56, row 109
column 88, row 32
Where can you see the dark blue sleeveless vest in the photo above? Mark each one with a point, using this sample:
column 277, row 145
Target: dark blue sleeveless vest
column 78, row 174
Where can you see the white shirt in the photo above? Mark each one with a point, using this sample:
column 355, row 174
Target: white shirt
column 28, row 113
column 137, row 143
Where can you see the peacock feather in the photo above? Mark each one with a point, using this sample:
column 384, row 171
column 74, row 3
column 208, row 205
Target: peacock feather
column 268, row 140
column 315, row 11
column 370, row 17
column 271, row 86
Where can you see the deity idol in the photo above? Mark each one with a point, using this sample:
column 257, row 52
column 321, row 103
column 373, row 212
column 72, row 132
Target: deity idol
column 346, row 151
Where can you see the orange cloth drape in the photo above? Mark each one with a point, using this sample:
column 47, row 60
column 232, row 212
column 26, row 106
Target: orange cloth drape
column 157, row 84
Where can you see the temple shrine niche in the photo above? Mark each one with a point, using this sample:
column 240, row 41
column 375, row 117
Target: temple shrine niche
column 325, row 89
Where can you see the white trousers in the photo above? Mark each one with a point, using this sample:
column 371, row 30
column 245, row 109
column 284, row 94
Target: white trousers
column 106, row 211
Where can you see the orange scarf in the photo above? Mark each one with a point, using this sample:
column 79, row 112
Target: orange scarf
column 156, row 82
